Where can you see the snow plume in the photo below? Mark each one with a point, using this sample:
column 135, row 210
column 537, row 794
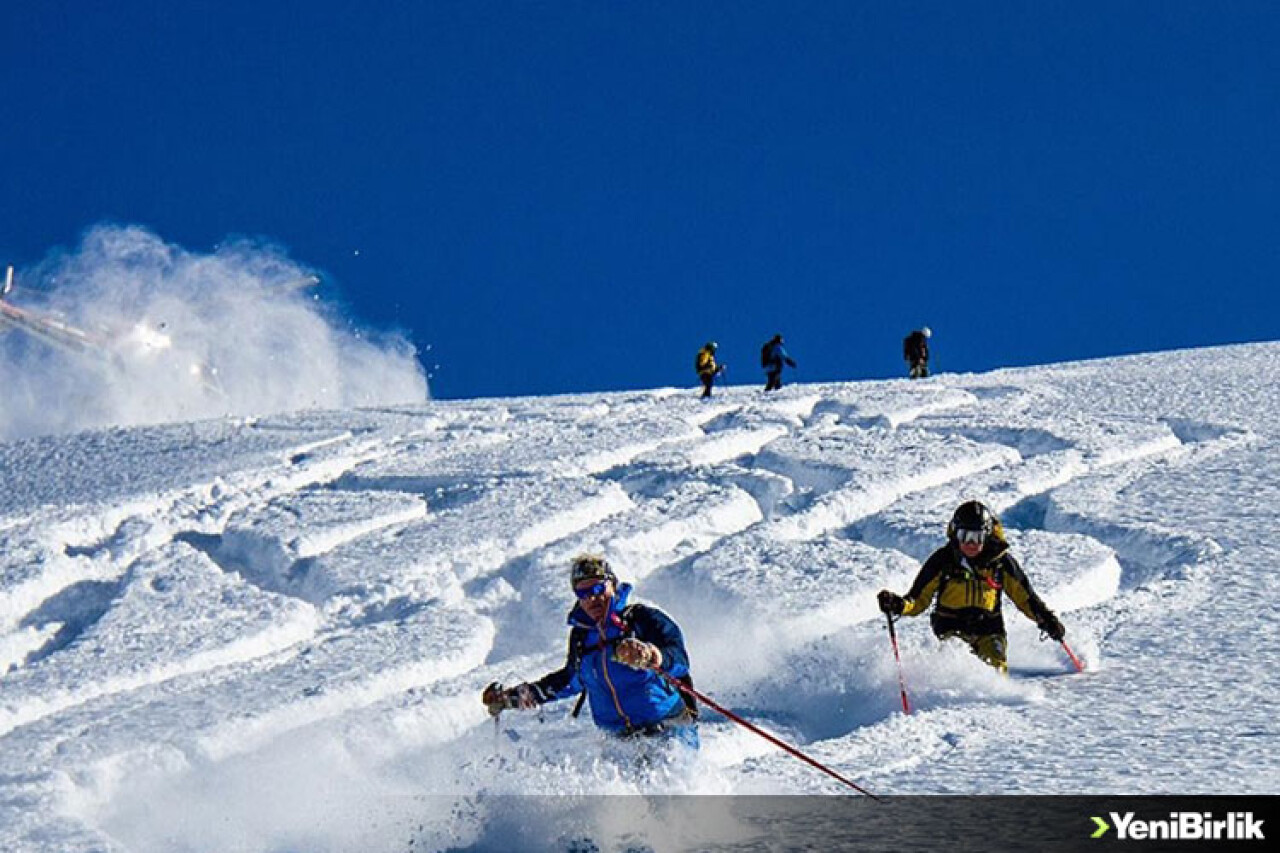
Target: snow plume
column 173, row 335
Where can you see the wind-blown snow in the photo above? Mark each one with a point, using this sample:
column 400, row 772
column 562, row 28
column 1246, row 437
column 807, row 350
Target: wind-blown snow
column 179, row 335
column 271, row 634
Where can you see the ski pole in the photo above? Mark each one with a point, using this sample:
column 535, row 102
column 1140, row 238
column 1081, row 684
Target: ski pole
column 902, row 685
column 711, row 703
column 1075, row 660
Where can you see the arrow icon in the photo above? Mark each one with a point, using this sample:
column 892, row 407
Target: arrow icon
column 1103, row 826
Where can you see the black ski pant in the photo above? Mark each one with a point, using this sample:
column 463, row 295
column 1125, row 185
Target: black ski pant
column 708, row 379
column 773, row 380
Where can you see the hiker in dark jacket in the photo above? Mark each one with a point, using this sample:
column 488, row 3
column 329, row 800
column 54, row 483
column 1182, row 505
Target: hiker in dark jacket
column 773, row 355
column 626, row 657
column 915, row 349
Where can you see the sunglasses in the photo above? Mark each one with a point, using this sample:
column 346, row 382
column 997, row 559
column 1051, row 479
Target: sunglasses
column 585, row 592
column 970, row 537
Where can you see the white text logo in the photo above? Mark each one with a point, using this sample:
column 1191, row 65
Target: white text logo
column 1185, row 826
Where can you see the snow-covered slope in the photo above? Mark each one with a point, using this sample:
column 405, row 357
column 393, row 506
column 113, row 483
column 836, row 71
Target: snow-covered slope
column 272, row 634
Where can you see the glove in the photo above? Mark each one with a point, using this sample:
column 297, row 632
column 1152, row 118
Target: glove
column 498, row 698
column 1052, row 626
column 891, row 603
column 638, row 654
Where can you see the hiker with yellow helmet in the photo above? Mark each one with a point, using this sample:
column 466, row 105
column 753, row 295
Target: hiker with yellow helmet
column 628, row 659
column 969, row 576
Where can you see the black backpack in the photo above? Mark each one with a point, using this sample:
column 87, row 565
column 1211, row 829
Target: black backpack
column 766, row 355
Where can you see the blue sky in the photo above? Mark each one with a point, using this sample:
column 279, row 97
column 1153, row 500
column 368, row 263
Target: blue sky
column 574, row 196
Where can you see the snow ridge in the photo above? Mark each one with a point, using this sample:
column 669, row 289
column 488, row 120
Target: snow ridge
column 313, row 602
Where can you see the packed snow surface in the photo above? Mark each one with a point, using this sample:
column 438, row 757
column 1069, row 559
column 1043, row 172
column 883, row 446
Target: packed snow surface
column 271, row 634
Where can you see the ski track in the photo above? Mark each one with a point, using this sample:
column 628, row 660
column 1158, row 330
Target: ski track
column 349, row 542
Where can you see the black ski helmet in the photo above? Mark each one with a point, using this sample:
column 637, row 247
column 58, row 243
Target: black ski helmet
column 973, row 515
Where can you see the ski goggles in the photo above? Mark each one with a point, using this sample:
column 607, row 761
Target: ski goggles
column 585, row 592
column 970, row 537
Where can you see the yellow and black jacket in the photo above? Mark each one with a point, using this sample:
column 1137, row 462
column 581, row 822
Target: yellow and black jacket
column 968, row 592
column 705, row 363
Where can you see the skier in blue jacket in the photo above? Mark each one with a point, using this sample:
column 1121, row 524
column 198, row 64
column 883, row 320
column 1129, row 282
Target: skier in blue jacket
column 773, row 355
column 618, row 654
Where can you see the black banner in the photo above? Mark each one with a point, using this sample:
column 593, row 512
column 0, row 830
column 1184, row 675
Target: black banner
column 642, row 824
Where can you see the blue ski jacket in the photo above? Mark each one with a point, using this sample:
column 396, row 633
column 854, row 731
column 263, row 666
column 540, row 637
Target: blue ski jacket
column 775, row 356
column 623, row 700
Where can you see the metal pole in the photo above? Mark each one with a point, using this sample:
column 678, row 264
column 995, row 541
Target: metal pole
column 902, row 685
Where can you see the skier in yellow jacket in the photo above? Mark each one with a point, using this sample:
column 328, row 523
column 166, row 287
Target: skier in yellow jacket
column 705, row 365
column 967, row 577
